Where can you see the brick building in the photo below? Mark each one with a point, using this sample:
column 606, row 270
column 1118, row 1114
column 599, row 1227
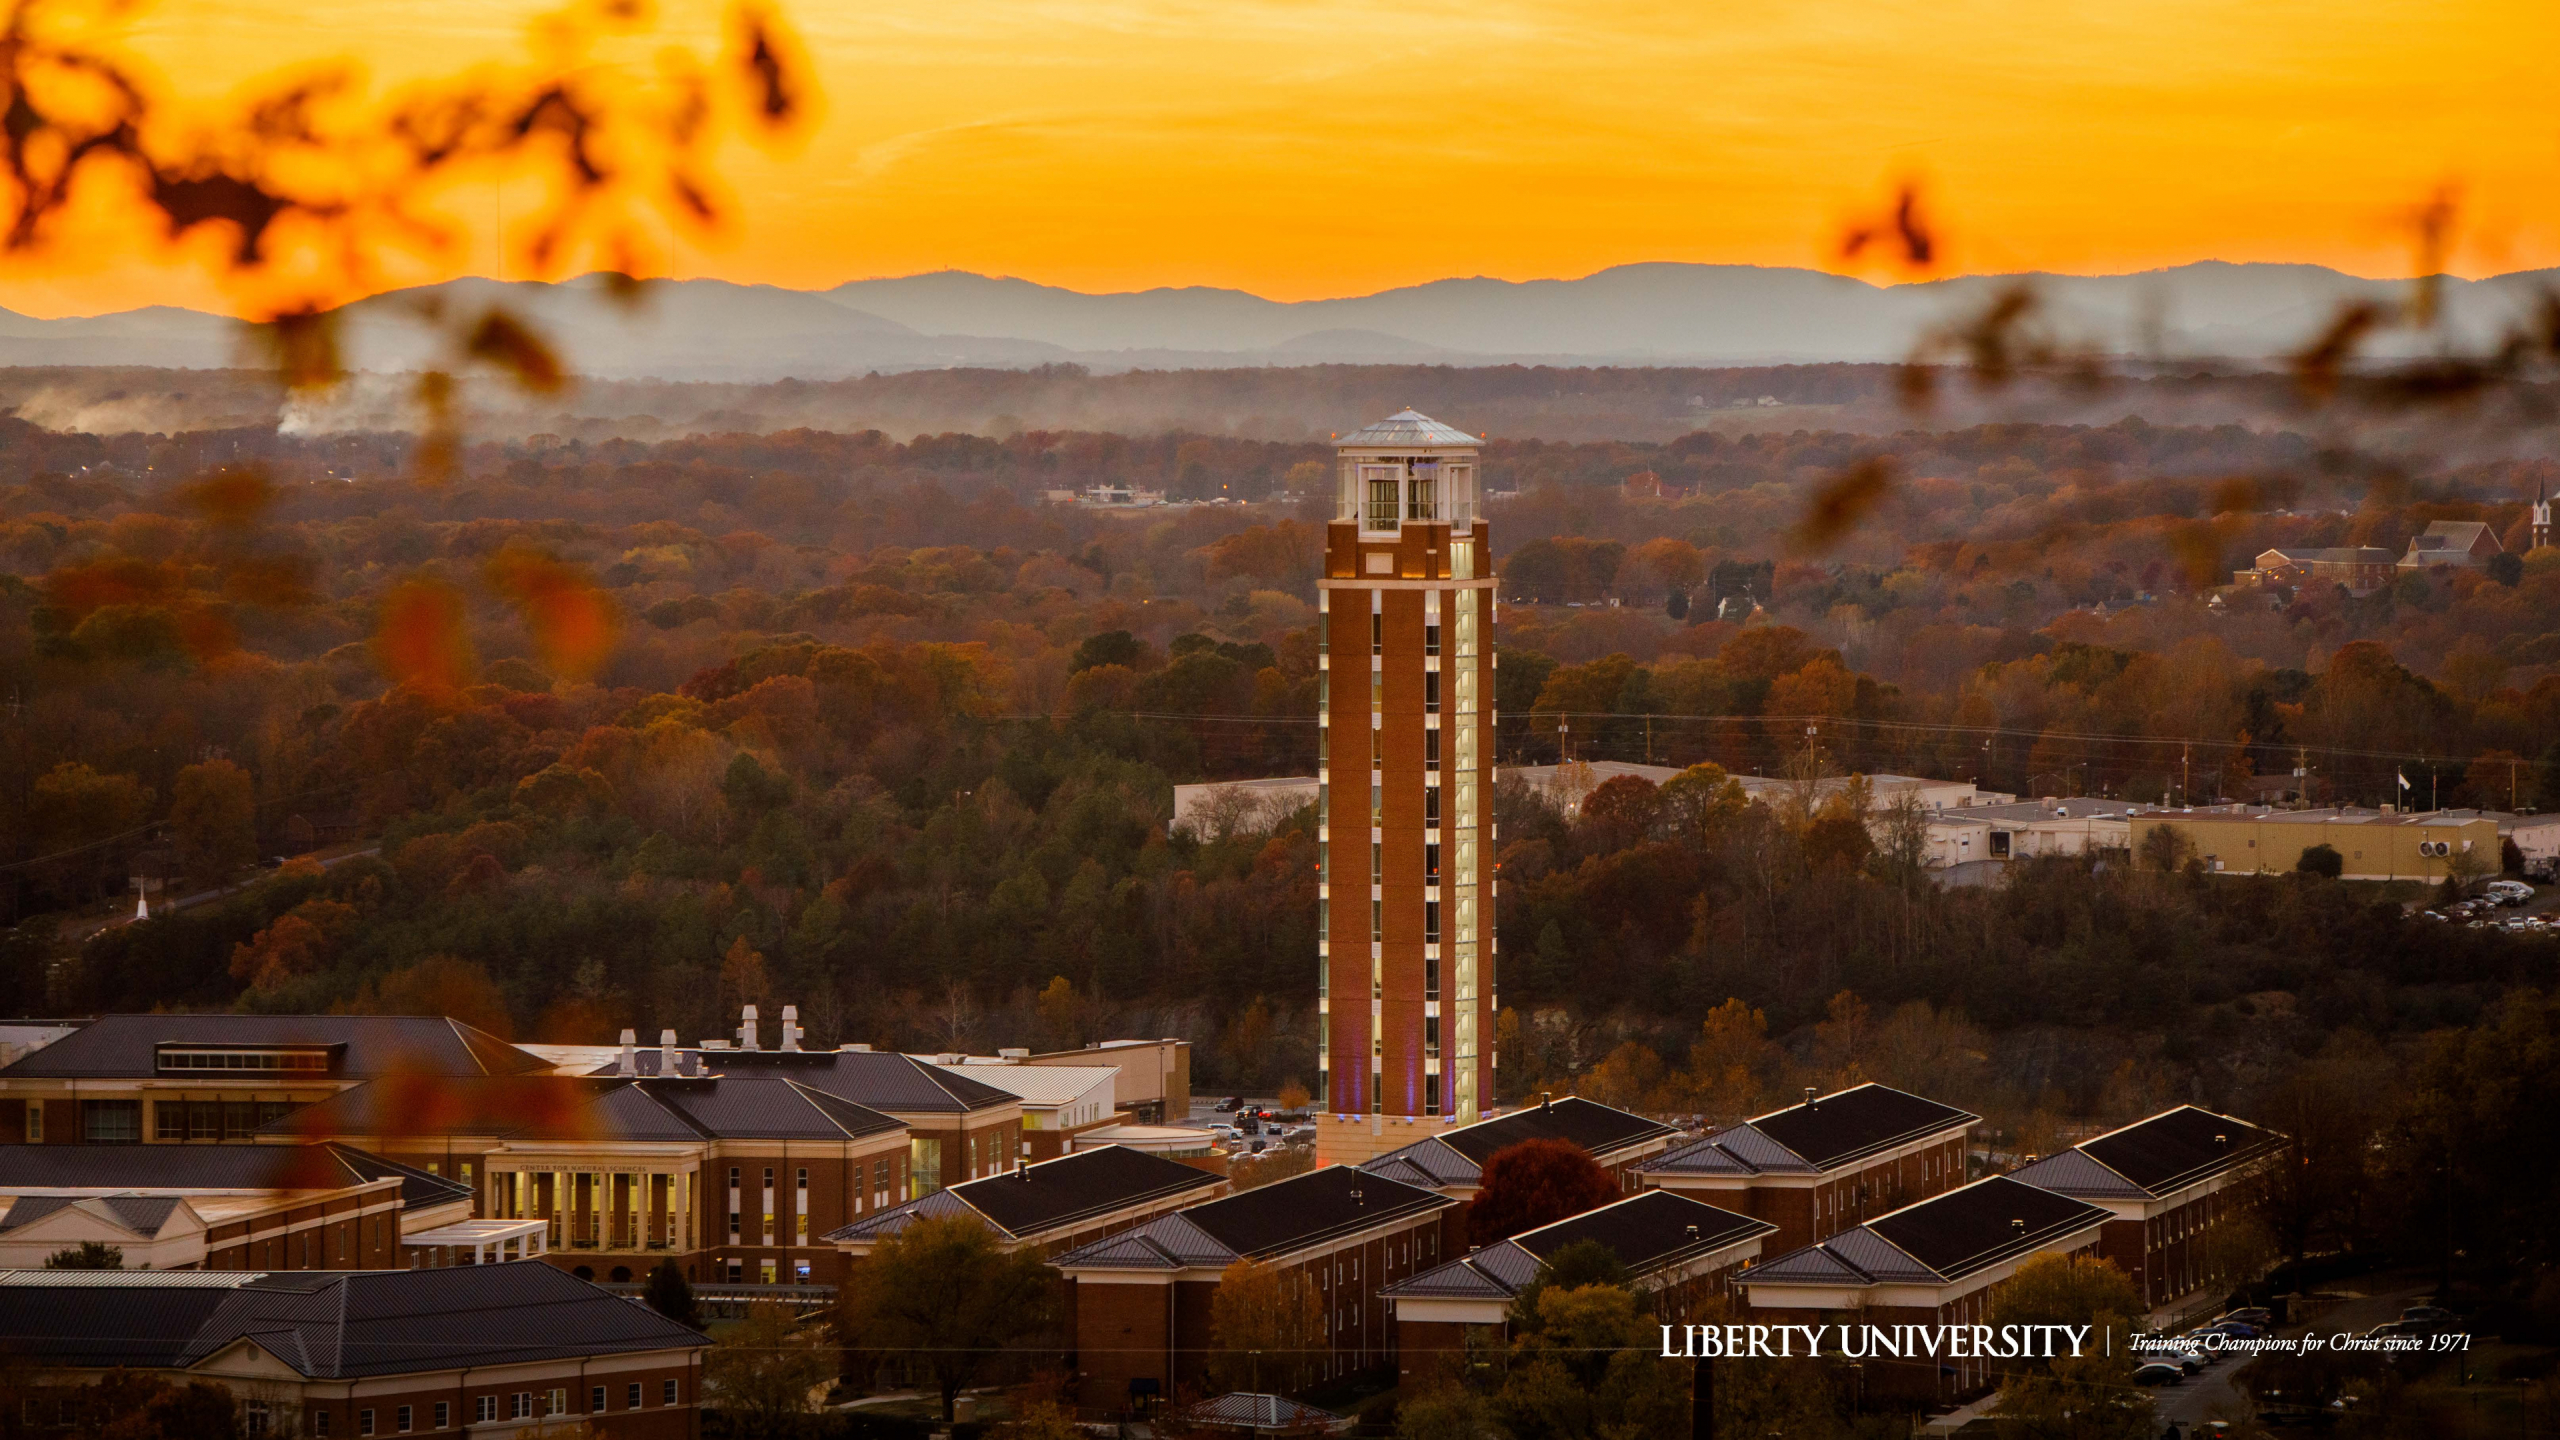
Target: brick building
column 1676, row 1251
column 1452, row 1160
column 1936, row 1262
column 736, row 1178
column 1139, row 1302
column 220, row 1207
column 1405, row 962
column 1053, row 1205
column 2170, row 1184
column 486, row 1349
column 1821, row 1167
column 211, row 1079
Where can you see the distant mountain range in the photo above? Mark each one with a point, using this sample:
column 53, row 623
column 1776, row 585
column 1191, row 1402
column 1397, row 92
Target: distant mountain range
column 1653, row 314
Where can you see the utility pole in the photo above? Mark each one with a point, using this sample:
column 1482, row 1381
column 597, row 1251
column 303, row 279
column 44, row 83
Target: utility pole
column 2186, row 778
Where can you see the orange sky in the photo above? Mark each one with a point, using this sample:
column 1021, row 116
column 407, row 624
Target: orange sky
column 1302, row 148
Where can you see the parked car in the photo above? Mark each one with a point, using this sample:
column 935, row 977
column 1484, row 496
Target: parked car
column 2258, row 1315
column 1231, row 1105
column 2157, row 1372
column 2426, row 1315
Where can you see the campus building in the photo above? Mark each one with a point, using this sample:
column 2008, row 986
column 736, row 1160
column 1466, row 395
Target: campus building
column 1052, row 1205
column 1405, row 943
column 1816, row 1169
column 1933, row 1263
column 1451, row 1161
column 2371, row 844
column 488, row 1349
column 222, row 1207
column 1139, row 1303
column 2172, row 1185
column 1676, row 1252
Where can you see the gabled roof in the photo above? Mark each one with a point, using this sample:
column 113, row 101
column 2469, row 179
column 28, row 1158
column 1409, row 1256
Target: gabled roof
column 1650, row 1233
column 211, row 1169
column 1944, row 1238
column 1258, row 1413
column 570, row 1107
column 141, row 1215
column 1052, row 1195
column 1407, row 427
column 1456, row 1157
column 326, row 1324
column 879, row 1079
column 2156, row 1157
column 1040, row 1085
column 1274, row 1219
column 1820, row 1135
column 127, row 1046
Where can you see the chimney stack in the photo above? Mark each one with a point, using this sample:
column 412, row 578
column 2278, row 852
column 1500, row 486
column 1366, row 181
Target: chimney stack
column 630, row 1061
column 1809, row 1092
column 747, row 1031
column 791, row 1031
column 666, row 1052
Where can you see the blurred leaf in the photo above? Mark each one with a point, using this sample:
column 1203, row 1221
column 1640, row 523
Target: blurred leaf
column 1905, row 229
column 503, row 340
column 2317, row 367
column 1841, row 502
column 422, row 640
column 574, row 624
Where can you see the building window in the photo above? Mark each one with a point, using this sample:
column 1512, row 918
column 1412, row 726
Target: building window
column 444, row 1414
column 1377, row 863
column 667, row 1390
column 320, row 1422
column 1431, row 805
column 521, row 1407
column 1430, row 749
column 488, row 1409
column 595, row 1400
column 1377, row 920
column 1431, row 692
column 258, row 1419
column 405, row 1416
column 1431, row 922
column 1431, row 864
column 35, row 1122
column 1431, row 639
column 111, row 1121
column 364, row 1422
column 631, row 1396
column 1377, row 633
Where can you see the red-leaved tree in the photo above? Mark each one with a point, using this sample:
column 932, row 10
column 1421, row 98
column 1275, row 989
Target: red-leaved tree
column 1534, row 1183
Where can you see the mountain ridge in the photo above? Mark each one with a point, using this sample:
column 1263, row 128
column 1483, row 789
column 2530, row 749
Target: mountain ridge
column 1641, row 313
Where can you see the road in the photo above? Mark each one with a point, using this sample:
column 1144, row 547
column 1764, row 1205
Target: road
column 202, row 897
column 2210, row 1395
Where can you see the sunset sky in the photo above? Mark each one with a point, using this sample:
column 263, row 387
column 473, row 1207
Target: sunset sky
column 1304, row 148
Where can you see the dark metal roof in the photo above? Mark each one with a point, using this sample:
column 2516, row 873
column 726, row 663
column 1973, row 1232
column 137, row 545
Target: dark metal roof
column 1056, row 1194
column 1650, row 1233
column 141, row 1214
column 1834, row 1129
column 751, row 1107
column 1820, row 1135
column 1978, row 1226
column 1946, row 1237
column 28, row 1168
column 879, row 1079
column 1273, row 1219
column 2074, row 1173
column 1457, row 1156
column 2177, row 1148
column 329, row 1324
column 126, row 1046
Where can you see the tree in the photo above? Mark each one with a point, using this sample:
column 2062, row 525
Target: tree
column 2090, row 1396
column 1573, row 1267
column 1111, row 647
column 128, row 1405
column 1534, row 1183
column 2322, row 859
column 73, row 808
column 766, row 1372
column 1587, row 1366
column 1268, row 1325
column 943, row 1291
column 1249, row 1172
column 2164, row 849
column 670, row 1295
column 213, row 815
column 87, row 1255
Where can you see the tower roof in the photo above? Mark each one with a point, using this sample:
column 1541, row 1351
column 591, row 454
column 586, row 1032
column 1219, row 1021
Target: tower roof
column 1406, row 427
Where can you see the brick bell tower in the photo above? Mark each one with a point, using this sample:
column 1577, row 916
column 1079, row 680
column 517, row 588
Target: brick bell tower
column 1406, row 955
